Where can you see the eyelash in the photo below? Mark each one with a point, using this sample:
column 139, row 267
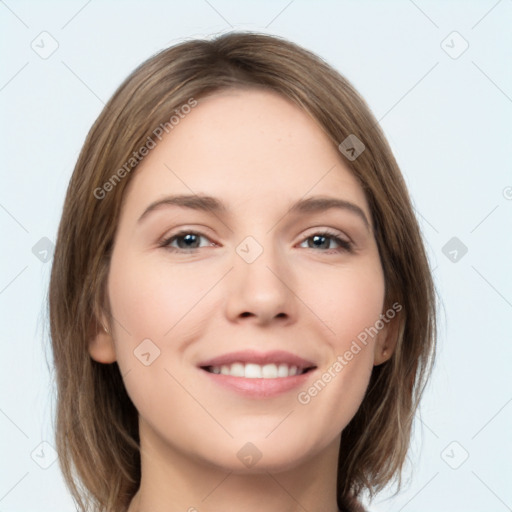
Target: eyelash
column 345, row 245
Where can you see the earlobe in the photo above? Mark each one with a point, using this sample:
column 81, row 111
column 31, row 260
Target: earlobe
column 381, row 356
column 386, row 343
column 101, row 345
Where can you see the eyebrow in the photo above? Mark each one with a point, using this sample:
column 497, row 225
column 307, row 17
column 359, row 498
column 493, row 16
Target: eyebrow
column 214, row 205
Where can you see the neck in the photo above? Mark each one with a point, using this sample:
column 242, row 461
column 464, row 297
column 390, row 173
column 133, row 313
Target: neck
column 172, row 481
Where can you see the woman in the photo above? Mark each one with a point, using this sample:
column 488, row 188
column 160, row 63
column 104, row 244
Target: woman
column 242, row 311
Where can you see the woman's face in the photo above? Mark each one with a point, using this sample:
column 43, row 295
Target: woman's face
column 228, row 259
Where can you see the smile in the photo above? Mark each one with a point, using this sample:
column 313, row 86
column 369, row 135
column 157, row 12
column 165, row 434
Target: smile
column 258, row 375
column 257, row 371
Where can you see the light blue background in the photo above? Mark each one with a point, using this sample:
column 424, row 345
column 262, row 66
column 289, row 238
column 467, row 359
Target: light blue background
column 449, row 122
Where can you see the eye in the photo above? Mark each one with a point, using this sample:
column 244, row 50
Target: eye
column 190, row 241
column 322, row 240
column 187, row 241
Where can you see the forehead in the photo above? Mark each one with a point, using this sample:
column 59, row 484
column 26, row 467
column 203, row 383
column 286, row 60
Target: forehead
column 245, row 146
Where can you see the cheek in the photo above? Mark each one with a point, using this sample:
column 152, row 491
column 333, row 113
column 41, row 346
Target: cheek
column 350, row 304
column 151, row 300
column 160, row 303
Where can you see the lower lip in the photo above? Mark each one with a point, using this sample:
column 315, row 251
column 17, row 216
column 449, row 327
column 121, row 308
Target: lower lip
column 259, row 388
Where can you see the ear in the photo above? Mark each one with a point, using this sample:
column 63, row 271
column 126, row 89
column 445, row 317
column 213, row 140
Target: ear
column 101, row 342
column 386, row 341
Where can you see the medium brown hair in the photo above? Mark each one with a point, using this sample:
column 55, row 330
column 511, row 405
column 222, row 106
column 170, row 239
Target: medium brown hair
column 96, row 422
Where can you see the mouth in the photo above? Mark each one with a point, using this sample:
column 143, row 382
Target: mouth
column 258, row 375
column 258, row 371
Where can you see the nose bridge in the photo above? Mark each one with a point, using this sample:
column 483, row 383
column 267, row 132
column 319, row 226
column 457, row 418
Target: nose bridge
column 260, row 262
column 259, row 282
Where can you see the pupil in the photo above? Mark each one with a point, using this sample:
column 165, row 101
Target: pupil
column 316, row 238
column 189, row 238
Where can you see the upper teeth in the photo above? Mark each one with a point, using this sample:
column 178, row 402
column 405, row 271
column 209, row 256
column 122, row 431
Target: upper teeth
column 256, row 371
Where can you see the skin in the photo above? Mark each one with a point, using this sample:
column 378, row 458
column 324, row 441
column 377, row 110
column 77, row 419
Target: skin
column 258, row 153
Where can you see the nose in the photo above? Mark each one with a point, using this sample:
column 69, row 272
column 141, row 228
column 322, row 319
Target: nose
column 261, row 291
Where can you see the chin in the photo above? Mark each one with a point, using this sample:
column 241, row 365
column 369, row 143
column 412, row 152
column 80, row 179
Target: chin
column 260, row 455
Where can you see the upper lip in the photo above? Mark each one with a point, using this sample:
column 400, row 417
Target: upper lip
column 261, row 358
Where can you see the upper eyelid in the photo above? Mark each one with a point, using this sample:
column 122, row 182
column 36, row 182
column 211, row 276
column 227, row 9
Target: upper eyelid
column 311, row 231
